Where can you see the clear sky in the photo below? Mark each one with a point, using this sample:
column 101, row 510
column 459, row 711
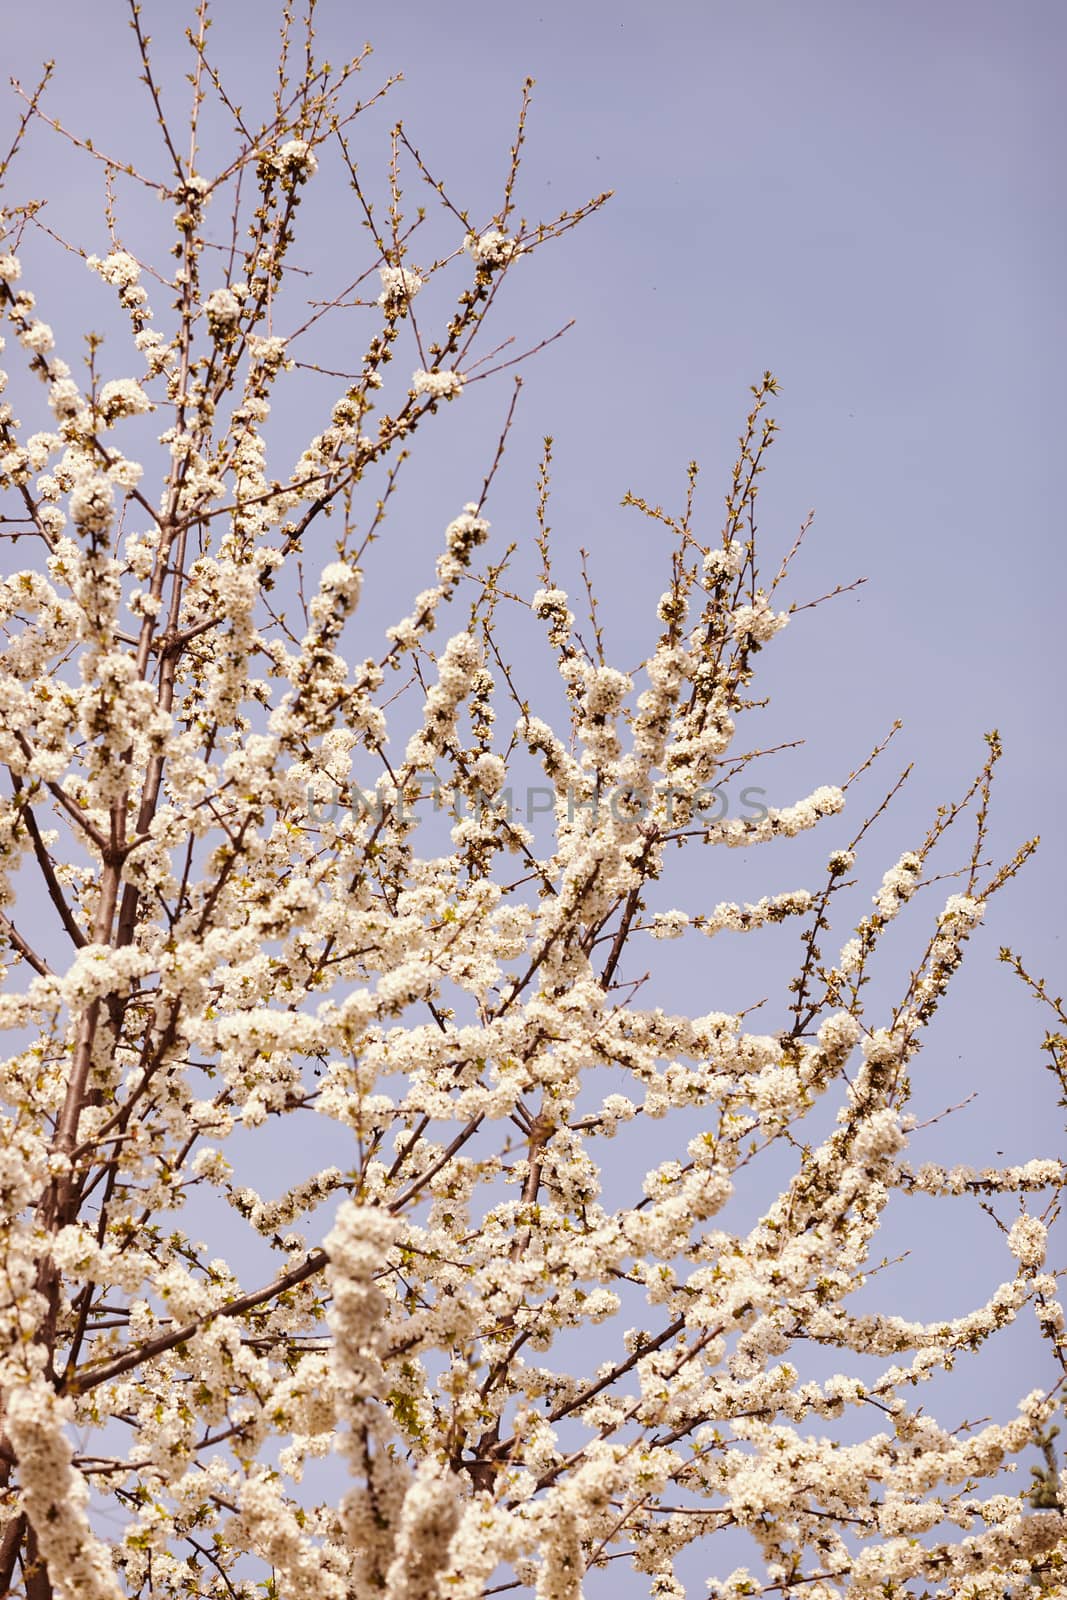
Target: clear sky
column 866, row 199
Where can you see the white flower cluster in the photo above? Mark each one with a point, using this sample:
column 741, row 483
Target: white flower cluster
column 37, row 337
column 492, row 249
column 271, row 1528
column 825, row 801
column 122, row 271
column 223, row 311
column 269, row 353
column 724, row 563
column 293, row 159
column 743, row 919
column 551, row 606
column 92, row 502
column 399, row 286
column 757, row 623
column 1028, row 1240
column 438, row 385
column 339, row 585
column 119, row 269
column 55, row 1495
column 122, row 397
column 356, row 1249
column 898, row 885
column 466, row 532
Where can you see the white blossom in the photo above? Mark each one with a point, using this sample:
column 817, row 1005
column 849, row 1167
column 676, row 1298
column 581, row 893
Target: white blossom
column 399, row 285
column 444, row 385
column 122, row 397
column 1027, row 1241
column 491, row 249
column 757, row 622
column 223, row 310
column 92, row 502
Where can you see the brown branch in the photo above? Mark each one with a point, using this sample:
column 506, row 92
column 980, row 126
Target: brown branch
column 91, row 1378
column 48, row 872
column 24, row 949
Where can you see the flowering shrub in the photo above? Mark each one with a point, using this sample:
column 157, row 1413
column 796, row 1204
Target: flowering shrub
column 189, row 672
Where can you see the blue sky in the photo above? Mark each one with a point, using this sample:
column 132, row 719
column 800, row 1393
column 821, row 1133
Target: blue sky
column 864, row 199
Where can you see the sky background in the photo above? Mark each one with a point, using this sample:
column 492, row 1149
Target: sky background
column 866, row 199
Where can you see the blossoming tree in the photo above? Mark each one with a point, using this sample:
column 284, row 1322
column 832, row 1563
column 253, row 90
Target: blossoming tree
column 233, row 914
